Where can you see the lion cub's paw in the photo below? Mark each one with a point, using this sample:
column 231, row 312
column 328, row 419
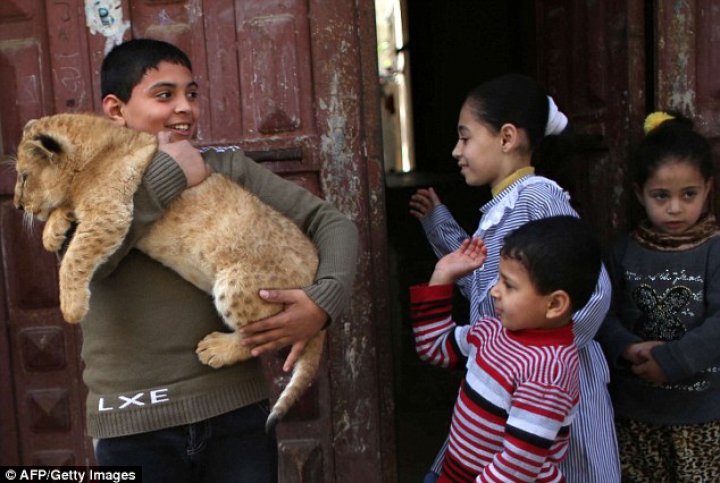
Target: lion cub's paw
column 56, row 230
column 221, row 349
column 73, row 305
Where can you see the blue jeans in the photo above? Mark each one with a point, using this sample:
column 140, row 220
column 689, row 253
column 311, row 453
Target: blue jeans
column 230, row 448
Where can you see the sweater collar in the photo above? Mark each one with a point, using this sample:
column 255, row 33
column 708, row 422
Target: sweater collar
column 516, row 175
column 507, row 186
column 544, row 337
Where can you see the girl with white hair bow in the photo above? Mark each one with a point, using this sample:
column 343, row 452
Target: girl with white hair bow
column 502, row 123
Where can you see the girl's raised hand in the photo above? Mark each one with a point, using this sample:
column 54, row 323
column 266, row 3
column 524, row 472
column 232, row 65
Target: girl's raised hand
column 423, row 202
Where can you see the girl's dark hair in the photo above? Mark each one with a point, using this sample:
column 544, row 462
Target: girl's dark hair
column 126, row 64
column 514, row 99
column 559, row 253
column 521, row 101
column 673, row 140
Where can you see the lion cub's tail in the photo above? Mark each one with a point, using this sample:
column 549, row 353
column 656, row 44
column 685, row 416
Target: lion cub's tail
column 303, row 375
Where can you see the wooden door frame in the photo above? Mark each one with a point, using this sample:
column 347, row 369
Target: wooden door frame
column 359, row 356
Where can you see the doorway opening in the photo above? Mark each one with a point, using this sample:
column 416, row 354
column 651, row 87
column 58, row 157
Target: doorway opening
column 394, row 74
column 452, row 46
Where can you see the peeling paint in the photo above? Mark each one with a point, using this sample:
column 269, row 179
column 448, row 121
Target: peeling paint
column 195, row 12
column 347, row 424
column 336, row 146
column 683, row 101
column 105, row 17
column 354, row 352
column 164, row 18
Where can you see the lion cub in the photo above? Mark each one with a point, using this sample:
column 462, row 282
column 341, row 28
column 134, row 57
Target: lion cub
column 83, row 168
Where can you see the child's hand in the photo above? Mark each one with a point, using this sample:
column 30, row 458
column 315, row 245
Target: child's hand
column 299, row 320
column 423, row 202
column 470, row 256
column 187, row 157
column 632, row 353
column 648, row 369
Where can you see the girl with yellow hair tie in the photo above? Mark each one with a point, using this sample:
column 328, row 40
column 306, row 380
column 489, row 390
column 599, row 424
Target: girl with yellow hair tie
column 662, row 333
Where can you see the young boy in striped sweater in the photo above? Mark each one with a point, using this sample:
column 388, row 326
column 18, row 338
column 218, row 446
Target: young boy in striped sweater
column 511, row 420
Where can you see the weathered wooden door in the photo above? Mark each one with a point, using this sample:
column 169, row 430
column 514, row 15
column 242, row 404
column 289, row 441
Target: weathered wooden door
column 591, row 56
column 687, row 49
column 614, row 62
column 293, row 84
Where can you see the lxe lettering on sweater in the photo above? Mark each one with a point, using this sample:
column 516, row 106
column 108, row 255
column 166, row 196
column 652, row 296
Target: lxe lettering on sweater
column 157, row 396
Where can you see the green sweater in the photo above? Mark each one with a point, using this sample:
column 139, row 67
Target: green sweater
column 145, row 321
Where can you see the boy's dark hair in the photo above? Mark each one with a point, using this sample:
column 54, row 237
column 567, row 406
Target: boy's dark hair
column 559, row 253
column 126, row 64
column 674, row 139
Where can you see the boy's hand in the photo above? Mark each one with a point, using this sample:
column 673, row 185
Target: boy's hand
column 187, row 157
column 294, row 325
column 423, row 202
column 468, row 257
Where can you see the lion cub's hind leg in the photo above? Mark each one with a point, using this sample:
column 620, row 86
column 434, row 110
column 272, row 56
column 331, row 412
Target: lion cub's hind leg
column 237, row 301
column 221, row 349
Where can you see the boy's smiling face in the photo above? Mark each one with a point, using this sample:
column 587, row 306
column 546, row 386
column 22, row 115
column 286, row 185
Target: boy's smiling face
column 166, row 99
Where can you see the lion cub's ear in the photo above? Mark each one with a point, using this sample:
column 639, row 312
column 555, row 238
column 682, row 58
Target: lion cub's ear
column 44, row 146
column 29, row 124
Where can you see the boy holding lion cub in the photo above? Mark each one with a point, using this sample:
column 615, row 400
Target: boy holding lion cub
column 151, row 402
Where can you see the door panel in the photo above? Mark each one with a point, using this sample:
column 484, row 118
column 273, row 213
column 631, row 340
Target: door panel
column 45, row 362
column 40, row 357
column 688, row 58
column 593, row 57
column 583, row 57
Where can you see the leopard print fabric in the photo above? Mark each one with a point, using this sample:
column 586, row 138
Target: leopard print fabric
column 651, row 453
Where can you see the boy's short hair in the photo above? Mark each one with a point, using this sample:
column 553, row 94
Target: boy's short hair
column 126, row 64
column 559, row 253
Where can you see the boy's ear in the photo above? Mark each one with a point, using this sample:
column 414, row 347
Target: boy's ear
column 559, row 305
column 114, row 109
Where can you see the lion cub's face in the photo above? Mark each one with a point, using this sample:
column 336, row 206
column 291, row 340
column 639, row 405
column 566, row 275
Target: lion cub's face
column 42, row 183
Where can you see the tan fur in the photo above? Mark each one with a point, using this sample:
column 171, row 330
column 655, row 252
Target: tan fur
column 216, row 235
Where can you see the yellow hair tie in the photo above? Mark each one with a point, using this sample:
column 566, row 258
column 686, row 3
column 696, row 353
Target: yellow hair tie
column 655, row 119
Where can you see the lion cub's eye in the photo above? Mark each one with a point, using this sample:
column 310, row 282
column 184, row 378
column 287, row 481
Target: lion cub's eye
column 23, row 178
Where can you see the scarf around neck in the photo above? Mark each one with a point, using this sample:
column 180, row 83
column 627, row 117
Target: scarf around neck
column 650, row 237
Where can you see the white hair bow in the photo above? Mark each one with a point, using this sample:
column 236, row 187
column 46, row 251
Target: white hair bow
column 557, row 121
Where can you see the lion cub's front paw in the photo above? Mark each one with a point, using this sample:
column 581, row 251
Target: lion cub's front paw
column 221, row 349
column 74, row 306
column 56, row 230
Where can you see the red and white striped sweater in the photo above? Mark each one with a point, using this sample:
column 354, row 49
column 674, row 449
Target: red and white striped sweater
column 520, row 393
